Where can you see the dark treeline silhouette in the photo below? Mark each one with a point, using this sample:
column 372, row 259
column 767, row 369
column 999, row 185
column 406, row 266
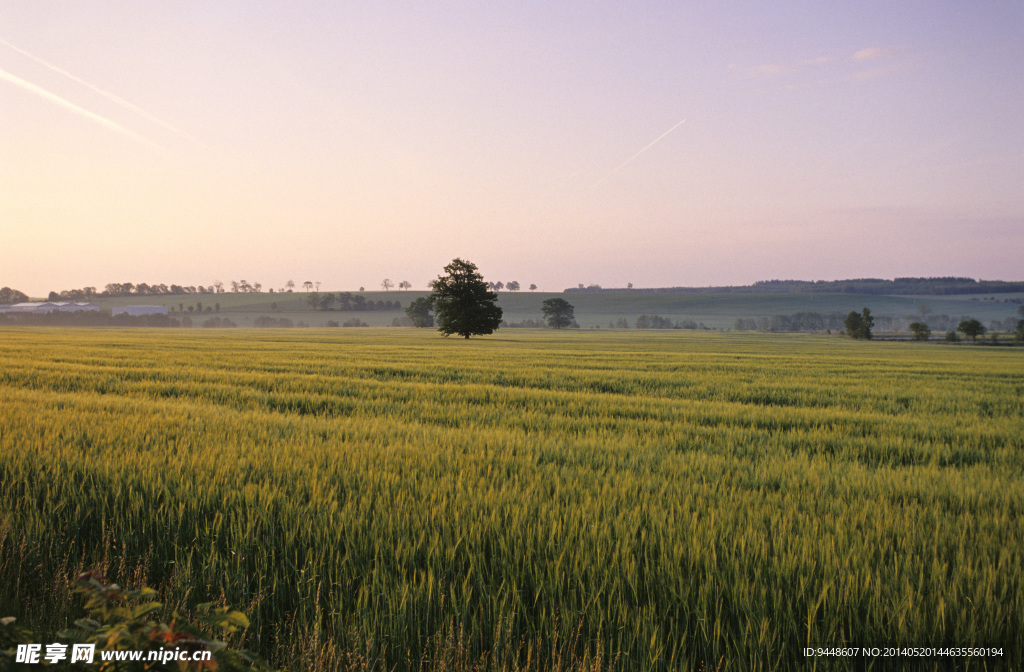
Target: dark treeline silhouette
column 349, row 302
column 116, row 289
column 90, row 318
column 8, row 295
column 911, row 286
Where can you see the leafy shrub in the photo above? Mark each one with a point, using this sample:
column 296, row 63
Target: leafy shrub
column 120, row 620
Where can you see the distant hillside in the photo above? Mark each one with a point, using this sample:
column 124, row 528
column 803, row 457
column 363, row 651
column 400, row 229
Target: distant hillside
column 874, row 286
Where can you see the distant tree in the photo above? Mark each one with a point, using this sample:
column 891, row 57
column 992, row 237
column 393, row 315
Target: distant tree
column 512, row 285
column 218, row 286
column 313, row 300
column 256, row 287
column 972, row 328
column 921, row 331
column 308, row 285
column 1020, row 310
column 629, row 285
column 419, row 311
column 462, row 302
column 952, row 337
column 273, row 306
column 559, row 313
column 216, row 307
column 859, row 325
column 8, row 295
column 1018, row 334
column 289, row 286
column 499, row 285
column 533, row 287
column 362, row 289
column 387, row 284
column 199, row 306
column 404, row 285
column 234, row 286
column 317, row 283
column 327, row 300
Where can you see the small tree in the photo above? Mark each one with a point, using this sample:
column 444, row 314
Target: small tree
column 512, row 285
column 462, row 302
column 921, row 331
column 308, row 284
column 559, row 313
column 1018, row 334
column 404, row 285
column 533, row 287
column 387, row 284
column 972, row 328
column 419, row 311
column 859, row 325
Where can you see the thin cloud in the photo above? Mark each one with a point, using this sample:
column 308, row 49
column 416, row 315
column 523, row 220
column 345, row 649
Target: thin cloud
column 106, row 94
column 769, row 70
column 873, row 54
column 67, row 104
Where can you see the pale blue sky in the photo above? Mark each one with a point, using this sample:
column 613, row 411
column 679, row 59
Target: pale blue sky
column 347, row 142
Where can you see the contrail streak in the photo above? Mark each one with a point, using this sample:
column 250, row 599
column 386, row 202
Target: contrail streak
column 627, row 161
column 54, row 98
column 106, row 94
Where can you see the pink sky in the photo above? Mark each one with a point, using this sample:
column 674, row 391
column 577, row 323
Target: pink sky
column 199, row 141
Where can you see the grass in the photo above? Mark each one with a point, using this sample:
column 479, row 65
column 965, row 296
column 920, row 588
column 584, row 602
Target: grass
column 635, row 501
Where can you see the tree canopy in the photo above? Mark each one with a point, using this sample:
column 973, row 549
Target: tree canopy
column 921, row 331
column 972, row 328
column 858, row 325
column 462, row 302
column 419, row 312
column 559, row 313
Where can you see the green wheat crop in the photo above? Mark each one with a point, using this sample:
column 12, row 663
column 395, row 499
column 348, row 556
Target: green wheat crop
column 652, row 501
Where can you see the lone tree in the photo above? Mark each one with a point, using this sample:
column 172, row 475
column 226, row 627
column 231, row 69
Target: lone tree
column 462, row 302
column 921, row 331
column 859, row 325
column 972, row 328
column 419, row 312
column 559, row 313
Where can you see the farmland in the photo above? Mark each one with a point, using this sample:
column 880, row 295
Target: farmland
column 597, row 309
column 654, row 501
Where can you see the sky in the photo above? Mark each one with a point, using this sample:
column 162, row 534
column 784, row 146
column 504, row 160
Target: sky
column 655, row 143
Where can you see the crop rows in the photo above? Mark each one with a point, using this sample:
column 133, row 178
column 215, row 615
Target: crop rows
column 660, row 500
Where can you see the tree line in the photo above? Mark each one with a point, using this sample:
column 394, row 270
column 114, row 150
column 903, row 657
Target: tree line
column 8, row 295
column 899, row 286
column 347, row 301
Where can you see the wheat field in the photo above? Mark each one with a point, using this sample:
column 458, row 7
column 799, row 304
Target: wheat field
column 534, row 500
